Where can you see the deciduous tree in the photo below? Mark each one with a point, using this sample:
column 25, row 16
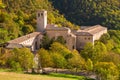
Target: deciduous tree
column 44, row 59
column 24, row 57
column 106, row 71
column 76, row 61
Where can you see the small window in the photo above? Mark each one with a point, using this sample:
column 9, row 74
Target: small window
column 41, row 14
column 65, row 41
column 88, row 38
column 73, row 47
column 36, row 47
column 38, row 14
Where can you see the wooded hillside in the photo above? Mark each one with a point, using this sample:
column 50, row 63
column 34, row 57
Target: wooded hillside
column 91, row 12
column 18, row 17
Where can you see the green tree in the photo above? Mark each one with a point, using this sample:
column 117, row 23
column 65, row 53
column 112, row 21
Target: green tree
column 58, row 60
column 1, row 5
column 24, row 57
column 27, row 29
column 110, row 45
column 91, row 12
column 61, row 49
column 88, row 51
column 99, row 51
column 5, row 57
column 76, row 61
column 112, row 57
column 44, row 59
column 106, row 71
column 3, row 36
column 114, row 35
column 46, row 42
column 89, row 65
column 60, row 55
column 94, row 52
column 9, row 25
column 61, row 40
column 104, row 38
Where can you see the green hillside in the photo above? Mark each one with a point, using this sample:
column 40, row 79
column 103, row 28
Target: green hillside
column 18, row 17
column 91, row 12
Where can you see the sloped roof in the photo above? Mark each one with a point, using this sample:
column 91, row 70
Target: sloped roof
column 83, row 34
column 26, row 37
column 95, row 29
column 56, row 28
column 90, row 30
column 14, row 45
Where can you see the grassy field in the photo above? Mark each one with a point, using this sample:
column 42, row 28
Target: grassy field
column 18, row 76
column 4, row 75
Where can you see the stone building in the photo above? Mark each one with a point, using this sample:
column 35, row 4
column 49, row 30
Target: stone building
column 31, row 41
column 89, row 34
column 54, row 31
column 75, row 39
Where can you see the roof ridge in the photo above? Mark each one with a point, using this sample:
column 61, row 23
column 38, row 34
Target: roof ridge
column 25, row 37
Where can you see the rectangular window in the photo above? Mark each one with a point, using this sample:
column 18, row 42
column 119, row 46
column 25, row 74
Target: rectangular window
column 41, row 14
column 88, row 38
column 38, row 14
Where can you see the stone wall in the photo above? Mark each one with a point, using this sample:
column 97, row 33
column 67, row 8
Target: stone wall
column 33, row 43
column 69, row 38
column 99, row 34
column 56, row 33
column 41, row 20
column 82, row 40
column 71, row 41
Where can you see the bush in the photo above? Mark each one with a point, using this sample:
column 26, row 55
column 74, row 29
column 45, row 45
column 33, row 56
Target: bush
column 16, row 66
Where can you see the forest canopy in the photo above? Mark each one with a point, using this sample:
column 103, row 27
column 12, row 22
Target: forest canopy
column 91, row 12
column 19, row 16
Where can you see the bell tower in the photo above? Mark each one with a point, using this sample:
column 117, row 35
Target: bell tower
column 41, row 20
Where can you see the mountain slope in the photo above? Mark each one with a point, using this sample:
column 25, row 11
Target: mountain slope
column 19, row 17
column 91, row 12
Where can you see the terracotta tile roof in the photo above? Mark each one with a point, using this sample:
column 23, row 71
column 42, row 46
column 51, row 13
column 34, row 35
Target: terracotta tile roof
column 26, row 37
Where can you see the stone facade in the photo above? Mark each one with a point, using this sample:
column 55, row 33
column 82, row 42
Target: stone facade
column 81, row 40
column 54, row 32
column 41, row 20
column 89, row 34
column 74, row 39
column 31, row 41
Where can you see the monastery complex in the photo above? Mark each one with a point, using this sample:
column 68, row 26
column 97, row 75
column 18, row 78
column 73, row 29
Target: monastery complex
column 75, row 39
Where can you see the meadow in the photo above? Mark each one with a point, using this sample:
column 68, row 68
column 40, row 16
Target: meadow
column 9, row 75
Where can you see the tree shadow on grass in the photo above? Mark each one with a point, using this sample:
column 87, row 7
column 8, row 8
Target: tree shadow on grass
column 62, row 76
column 69, row 76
